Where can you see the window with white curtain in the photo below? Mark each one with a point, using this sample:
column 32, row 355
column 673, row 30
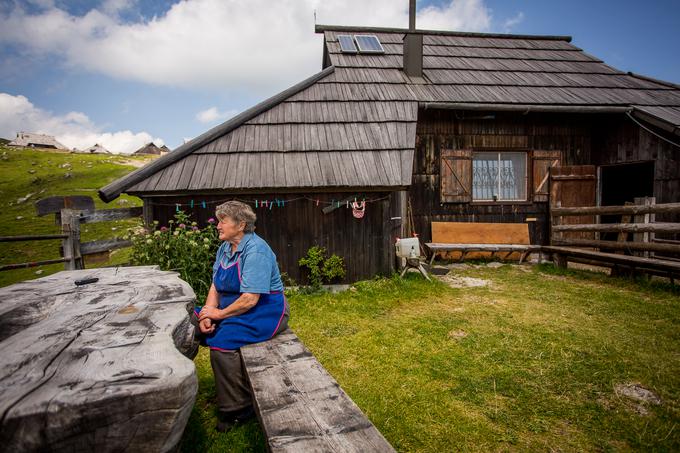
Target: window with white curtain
column 499, row 176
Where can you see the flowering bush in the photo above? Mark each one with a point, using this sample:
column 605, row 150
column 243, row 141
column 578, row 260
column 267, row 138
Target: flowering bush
column 181, row 246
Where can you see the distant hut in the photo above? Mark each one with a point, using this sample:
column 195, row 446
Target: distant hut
column 31, row 140
column 96, row 149
column 164, row 150
column 150, row 148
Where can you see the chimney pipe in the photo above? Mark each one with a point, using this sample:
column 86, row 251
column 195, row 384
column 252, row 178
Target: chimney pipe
column 413, row 45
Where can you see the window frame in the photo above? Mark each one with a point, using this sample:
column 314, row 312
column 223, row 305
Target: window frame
column 528, row 198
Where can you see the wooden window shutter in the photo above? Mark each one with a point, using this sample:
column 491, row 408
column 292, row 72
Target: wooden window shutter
column 541, row 163
column 456, row 176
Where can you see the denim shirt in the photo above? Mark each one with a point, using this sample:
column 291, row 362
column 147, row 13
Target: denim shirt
column 259, row 270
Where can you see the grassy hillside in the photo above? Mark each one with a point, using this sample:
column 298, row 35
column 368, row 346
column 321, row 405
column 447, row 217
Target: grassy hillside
column 27, row 175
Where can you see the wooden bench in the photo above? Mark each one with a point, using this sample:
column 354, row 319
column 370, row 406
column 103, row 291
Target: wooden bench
column 101, row 367
column 562, row 255
column 300, row 406
column 481, row 239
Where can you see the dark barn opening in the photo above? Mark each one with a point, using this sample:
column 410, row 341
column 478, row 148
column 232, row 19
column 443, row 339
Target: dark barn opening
column 621, row 184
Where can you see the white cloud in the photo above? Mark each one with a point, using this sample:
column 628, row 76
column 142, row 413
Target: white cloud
column 73, row 129
column 254, row 45
column 462, row 15
column 510, row 23
column 212, row 115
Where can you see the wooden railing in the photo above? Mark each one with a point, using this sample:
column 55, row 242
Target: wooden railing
column 638, row 219
column 73, row 250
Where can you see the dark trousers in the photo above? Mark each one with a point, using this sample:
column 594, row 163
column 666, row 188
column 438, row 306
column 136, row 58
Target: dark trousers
column 231, row 382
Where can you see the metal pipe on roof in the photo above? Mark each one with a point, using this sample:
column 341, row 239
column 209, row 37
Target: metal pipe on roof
column 411, row 15
column 525, row 108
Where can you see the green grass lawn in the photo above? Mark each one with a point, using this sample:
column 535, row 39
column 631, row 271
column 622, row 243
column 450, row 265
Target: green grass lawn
column 43, row 174
column 529, row 363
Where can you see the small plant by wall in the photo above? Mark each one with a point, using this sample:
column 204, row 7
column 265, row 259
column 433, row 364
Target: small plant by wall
column 322, row 268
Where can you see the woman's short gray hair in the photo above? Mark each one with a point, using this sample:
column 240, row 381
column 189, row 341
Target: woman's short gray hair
column 238, row 212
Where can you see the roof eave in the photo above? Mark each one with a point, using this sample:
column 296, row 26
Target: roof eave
column 527, row 108
column 343, row 28
column 113, row 190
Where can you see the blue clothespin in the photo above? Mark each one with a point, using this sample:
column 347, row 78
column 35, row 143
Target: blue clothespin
column 203, row 204
column 191, row 204
column 177, row 207
column 255, row 204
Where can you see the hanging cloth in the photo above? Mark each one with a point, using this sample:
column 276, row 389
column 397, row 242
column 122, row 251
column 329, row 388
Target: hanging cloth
column 358, row 209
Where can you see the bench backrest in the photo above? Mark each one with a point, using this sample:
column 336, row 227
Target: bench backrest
column 480, row 233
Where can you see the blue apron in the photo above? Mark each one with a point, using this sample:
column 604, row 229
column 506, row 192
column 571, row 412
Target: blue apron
column 260, row 323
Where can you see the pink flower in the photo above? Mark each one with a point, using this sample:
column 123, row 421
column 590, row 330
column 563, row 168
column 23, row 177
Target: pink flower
column 195, row 228
column 164, row 228
column 211, row 220
column 181, row 225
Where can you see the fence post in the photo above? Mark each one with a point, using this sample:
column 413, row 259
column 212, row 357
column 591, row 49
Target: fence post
column 555, row 220
column 647, row 237
column 70, row 224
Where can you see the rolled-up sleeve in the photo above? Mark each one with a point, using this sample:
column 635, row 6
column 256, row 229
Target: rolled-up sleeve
column 256, row 273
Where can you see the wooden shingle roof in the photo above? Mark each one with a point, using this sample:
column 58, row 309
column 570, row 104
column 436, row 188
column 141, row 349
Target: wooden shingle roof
column 354, row 123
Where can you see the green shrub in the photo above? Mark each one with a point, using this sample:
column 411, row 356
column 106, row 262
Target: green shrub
column 322, row 268
column 181, row 246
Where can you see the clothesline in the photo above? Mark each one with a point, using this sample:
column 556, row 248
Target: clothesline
column 270, row 203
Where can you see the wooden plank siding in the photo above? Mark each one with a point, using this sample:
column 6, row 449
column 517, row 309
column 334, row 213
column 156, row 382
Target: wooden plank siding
column 365, row 244
column 596, row 139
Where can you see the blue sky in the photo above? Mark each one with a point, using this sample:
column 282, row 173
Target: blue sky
column 124, row 72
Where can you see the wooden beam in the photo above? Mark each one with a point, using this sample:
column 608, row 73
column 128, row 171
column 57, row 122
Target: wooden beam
column 630, row 261
column 9, row 267
column 659, row 227
column 615, row 210
column 616, row 245
column 32, row 237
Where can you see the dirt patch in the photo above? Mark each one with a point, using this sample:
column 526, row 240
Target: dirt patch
column 638, row 397
column 132, row 162
column 457, row 334
column 458, row 281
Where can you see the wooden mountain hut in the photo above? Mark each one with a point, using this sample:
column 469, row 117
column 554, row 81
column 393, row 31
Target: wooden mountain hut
column 33, row 140
column 96, row 149
column 151, row 148
column 428, row 126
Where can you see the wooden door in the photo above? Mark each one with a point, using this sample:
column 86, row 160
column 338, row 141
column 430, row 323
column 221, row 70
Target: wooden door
column 573, row 186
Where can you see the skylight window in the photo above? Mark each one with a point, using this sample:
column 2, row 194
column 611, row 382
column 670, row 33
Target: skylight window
column 369, row 44
column 347, row 44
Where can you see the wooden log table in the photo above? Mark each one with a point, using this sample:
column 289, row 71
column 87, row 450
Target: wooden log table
column 100, row 367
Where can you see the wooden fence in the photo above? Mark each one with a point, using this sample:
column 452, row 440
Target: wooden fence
column 73, row 250
column 634, row 234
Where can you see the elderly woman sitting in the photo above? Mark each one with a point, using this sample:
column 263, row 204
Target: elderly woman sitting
column 245, row 305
